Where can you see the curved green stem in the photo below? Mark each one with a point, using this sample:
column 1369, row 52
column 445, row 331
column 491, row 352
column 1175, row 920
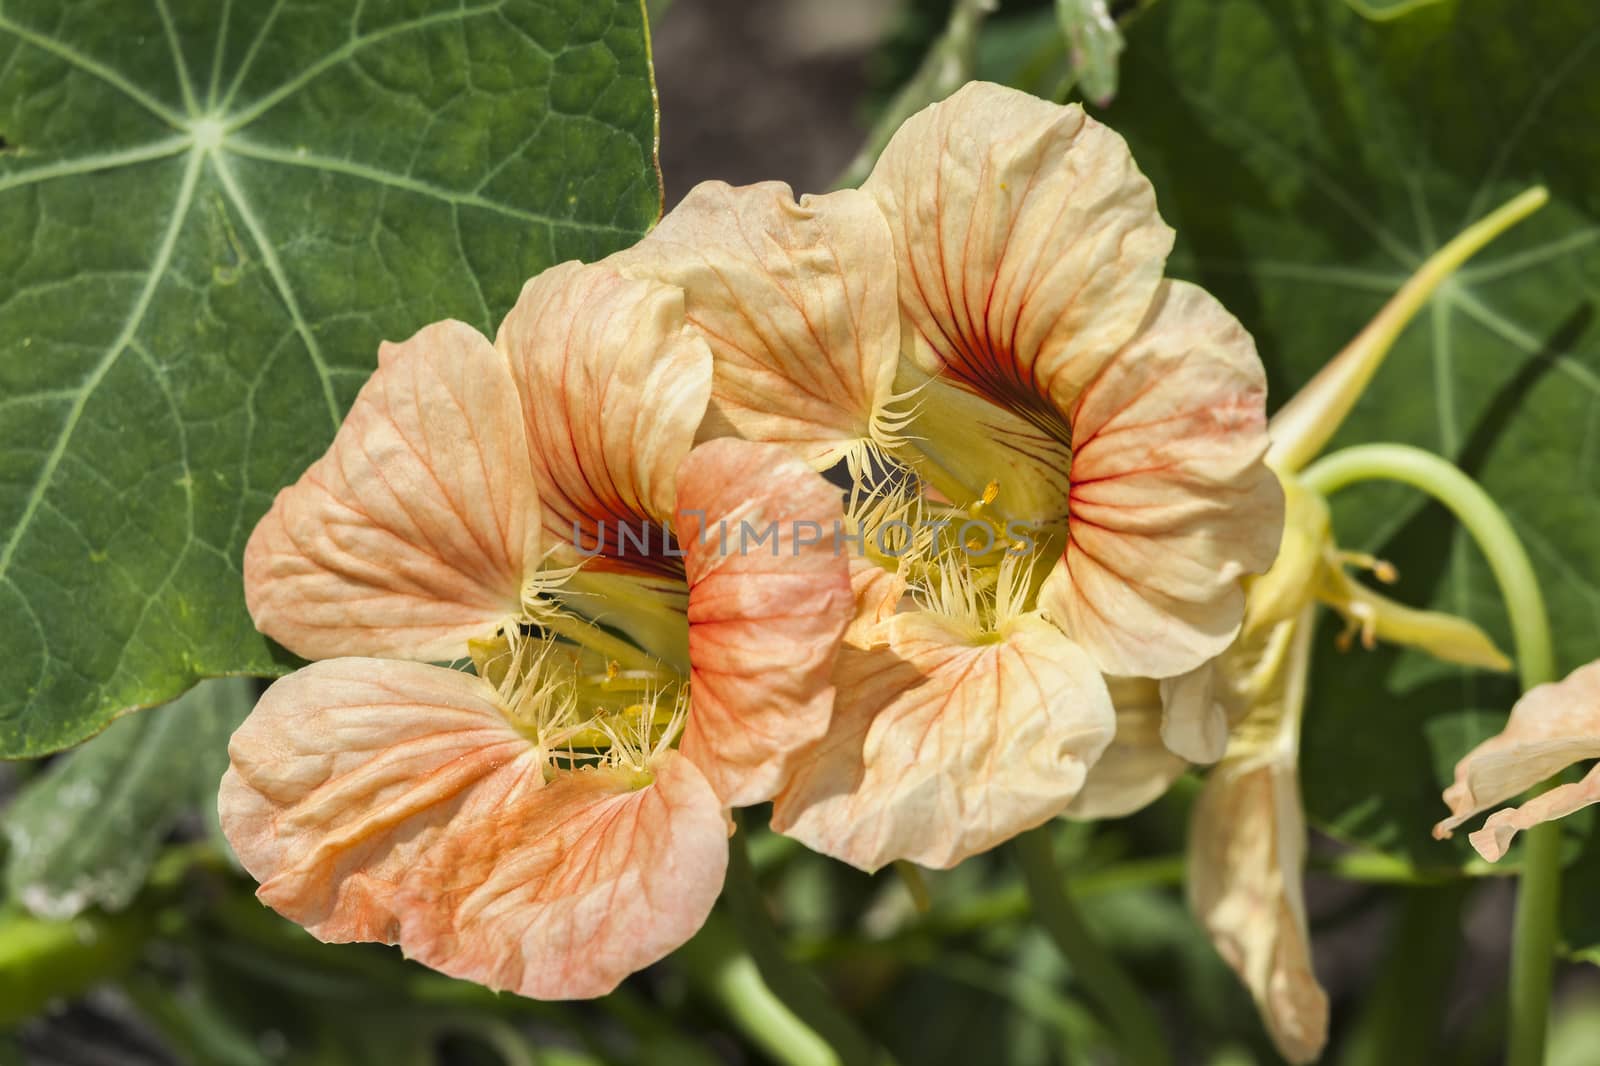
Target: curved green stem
column 1539, row 893
column 1096, row 972
column 720, row 963
column 796, row 986
column 1483, row 519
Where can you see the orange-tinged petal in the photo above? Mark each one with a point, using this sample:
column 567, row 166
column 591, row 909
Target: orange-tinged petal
column 943, row 746
column 1501, row 827
column 613, row 386
column 1171, row 502
column 387, row 801
column 418, row 528
column 1138, row 768
column 797, row 301
column 1246, row 856
column 769, row 599
column 877, row 593
column 588, row 880
column 1551, row 727
column 1028, row 244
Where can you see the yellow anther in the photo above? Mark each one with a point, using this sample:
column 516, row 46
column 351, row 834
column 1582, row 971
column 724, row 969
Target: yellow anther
column 990, row 492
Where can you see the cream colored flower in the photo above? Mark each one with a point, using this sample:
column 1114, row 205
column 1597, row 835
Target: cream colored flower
column 1057, row 454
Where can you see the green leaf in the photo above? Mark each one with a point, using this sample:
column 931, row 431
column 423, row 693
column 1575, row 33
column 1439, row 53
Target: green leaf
column 211, row 212
column 86, row 832
column 1310, row 159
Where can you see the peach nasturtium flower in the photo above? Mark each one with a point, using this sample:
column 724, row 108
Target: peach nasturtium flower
column 557, row 820
column 1552, row 727
column 1057, row 454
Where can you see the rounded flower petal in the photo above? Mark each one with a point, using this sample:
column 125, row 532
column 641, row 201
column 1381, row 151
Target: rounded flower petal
column 613, row 387
column 1028, row 244
column 1138, row 768
column 1551, row 727
column 769, row 599
column 416, row 530
column 1171, row 502
column 798, row 304
column 1246, row 856
column 943, row 746
column 394, row 802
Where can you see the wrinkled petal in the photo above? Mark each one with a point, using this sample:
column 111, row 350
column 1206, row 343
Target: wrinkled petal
column 943, row 747
column 417, row 529
column 1028, row 244
column 1194, row 720
column 1551, row 727
column 613, row 387
column 393, row 802
column 797, row 302
column 1246, row 858
column 1502, row 826
column 1171, row 503
column 769, row 599
column 877, row 593
column 1137, row 769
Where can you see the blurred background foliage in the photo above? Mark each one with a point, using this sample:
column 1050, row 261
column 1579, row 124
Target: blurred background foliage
column 128, row 935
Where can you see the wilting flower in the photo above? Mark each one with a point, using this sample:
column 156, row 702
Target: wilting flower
column 557, row 820
column 1057, row 454
column 1551, row 727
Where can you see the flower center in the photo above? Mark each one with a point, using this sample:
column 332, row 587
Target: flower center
column 579, row 709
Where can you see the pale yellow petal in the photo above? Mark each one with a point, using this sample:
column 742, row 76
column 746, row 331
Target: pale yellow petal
column 942, row 747
column 1194, row 720
column 1028, row 243
column 797, row 301
column 1246, row 859
column 1551, row 727
column 1501, row 827
column 1171, row 502
column 1138, row 768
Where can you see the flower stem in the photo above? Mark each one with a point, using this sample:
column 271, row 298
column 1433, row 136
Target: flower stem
column 1539, row 892
column 1307, row 422
column 1096, row 972
column 795, row 986
column 719, row 962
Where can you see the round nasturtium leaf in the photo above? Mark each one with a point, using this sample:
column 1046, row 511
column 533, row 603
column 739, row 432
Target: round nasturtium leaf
column 211, row 213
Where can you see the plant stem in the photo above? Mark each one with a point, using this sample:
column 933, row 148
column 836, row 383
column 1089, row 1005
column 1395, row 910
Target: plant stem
column 1483, row 519
column 1308, row 421
column 1095, row 971
column 798, row 988
column 1539, row 892
column 719, row 962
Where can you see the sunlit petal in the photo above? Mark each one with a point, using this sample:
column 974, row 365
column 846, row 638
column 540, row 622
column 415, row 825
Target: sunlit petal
column 797, row 301
column 388, row 801
column 613, row 387
column 943, row 746
column 1171, row 503
column 1028, row 243
column 417, row 529
column 769, row 599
